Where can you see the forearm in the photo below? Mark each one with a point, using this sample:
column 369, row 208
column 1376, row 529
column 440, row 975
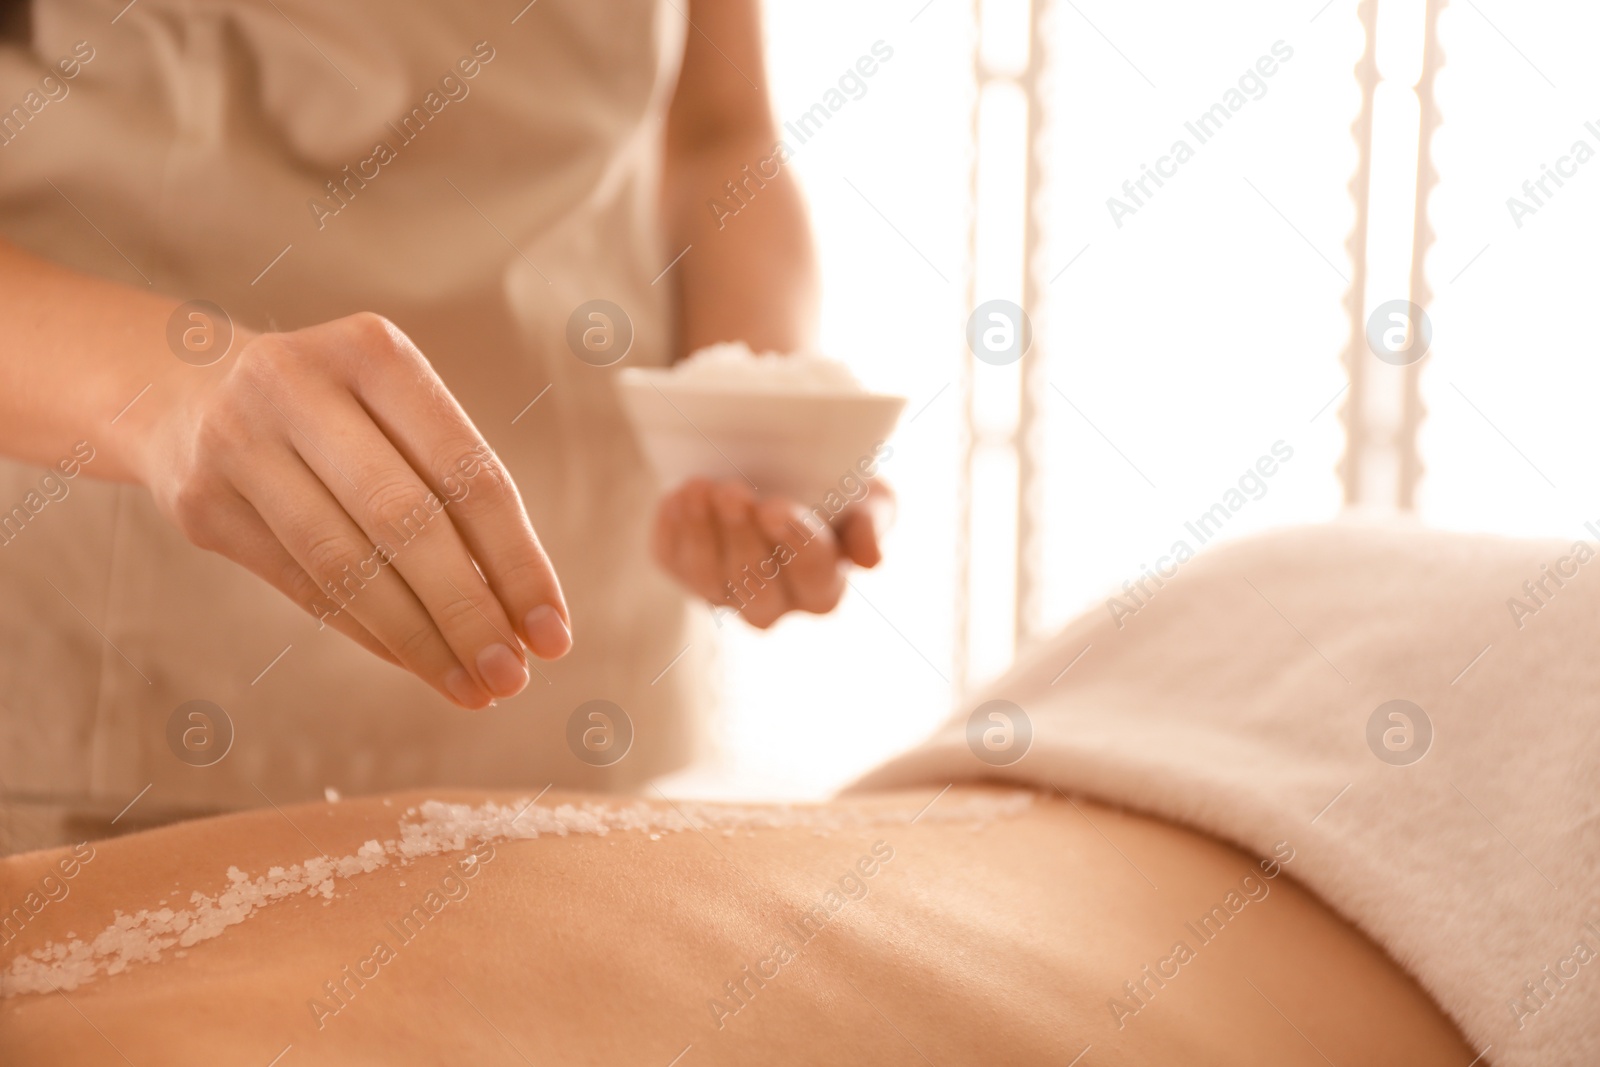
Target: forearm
column 750, row 273
column 75, row 352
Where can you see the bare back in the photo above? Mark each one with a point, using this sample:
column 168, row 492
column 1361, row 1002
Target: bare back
column 1024, row 938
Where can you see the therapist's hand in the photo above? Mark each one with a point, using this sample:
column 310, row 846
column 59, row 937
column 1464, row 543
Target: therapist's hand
column 765, row 556
column 334, row 463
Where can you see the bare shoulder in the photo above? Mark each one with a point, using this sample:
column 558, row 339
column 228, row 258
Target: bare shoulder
column 986, row 926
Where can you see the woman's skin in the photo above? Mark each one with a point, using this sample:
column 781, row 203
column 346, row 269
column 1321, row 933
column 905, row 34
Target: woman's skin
column 1000, row 943
column 757, row 283
column 299, row 454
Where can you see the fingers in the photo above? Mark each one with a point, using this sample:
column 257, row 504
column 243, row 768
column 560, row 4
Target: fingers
column 401, row 516
column 857, row 531
column 812, row 576
column 748, row 557
column 764, row 558
column 414, row 411
column 860, row 527
column 355, row 577
column 344, row 449
column 240, row 534
column 699, row 564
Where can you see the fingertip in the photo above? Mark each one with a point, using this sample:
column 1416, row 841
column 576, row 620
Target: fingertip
column 861, row 541
column 867, row 555
column 549, row 636
column 503, row 670
column 460, row 687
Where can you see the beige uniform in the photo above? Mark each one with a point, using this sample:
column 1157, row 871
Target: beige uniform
column 229, row 150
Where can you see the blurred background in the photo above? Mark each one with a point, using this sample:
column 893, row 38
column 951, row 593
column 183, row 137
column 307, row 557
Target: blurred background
column 1177, row 342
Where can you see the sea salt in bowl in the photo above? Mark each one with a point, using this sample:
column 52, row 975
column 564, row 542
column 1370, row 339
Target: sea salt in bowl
column 792, row 425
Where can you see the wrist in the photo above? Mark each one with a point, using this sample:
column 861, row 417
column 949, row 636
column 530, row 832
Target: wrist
column 146, row 437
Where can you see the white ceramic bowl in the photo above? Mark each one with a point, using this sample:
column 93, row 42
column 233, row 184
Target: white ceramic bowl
column 799, row 444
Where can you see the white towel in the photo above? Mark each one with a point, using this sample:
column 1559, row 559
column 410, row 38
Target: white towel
column 1245, row 695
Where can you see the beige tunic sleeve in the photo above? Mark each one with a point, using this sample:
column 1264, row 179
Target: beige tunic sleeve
column 474, row 173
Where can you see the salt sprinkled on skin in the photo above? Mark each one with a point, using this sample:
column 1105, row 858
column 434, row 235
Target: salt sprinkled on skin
column 143, row 936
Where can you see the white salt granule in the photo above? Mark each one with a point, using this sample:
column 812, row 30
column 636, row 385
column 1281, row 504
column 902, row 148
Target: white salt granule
column 732, row 364
column 143, row 936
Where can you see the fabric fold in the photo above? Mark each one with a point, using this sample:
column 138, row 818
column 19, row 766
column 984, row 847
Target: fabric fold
column 1414, row 711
